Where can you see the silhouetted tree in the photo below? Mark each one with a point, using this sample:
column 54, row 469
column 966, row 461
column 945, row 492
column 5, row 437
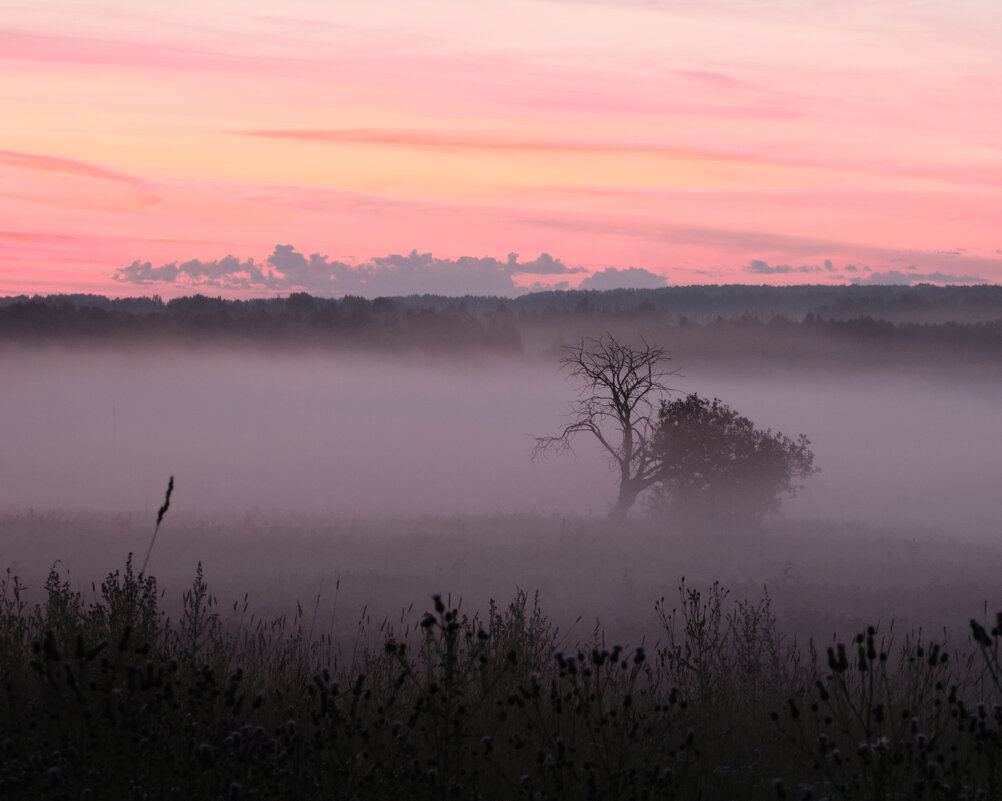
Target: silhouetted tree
column 712, row 461
column 620, row 389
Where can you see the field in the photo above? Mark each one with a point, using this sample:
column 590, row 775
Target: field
column 823, row 579
column 302, row 657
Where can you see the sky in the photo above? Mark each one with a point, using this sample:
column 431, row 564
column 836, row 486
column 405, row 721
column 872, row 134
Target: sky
column 257, row 148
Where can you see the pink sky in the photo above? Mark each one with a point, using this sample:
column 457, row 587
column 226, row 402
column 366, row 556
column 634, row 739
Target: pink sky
column 706, row 145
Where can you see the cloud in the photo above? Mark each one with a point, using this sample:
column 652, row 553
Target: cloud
column 762, row 268
column 111, row 53
column 79, row 185
column 187, row 242
column 22, row 236
column 628, row 278
column 287, row 270
column 907, row 278
column 539, row 286
column 478, row 141
column 53, row 164
column 445, row 140
column 227, row 273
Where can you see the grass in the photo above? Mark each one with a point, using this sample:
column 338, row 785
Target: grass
column 823, row 578
column 106, row 696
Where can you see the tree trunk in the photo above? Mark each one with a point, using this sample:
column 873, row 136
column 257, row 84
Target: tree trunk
column 628, row 492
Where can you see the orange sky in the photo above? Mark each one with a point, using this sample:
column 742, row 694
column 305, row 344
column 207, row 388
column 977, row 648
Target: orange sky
column 797, row 143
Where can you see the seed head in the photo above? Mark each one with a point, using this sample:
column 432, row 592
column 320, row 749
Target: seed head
column 166, row 505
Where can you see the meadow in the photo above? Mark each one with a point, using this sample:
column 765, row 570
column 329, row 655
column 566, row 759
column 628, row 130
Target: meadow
column 297, row 656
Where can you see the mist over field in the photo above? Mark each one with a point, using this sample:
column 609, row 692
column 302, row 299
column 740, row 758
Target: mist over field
column 366, row 434
column 288, row 432
column 392, row 477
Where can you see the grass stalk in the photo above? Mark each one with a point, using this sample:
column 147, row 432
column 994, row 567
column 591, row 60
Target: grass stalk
column 160, row 516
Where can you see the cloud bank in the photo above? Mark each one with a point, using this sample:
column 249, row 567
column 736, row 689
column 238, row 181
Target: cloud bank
column 897, row 277
column 764, row 268
column 628, row 278
column 893, row 277
column 288, row 270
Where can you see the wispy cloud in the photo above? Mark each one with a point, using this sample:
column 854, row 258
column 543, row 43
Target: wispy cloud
column 980, row 174
column 34, row 161
column 113, row 53
column 211, row 242
column 460, row 140
column 85, row 185
column 34, row 238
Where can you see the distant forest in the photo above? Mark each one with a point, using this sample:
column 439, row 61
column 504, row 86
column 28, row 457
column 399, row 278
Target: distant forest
column 733, row 323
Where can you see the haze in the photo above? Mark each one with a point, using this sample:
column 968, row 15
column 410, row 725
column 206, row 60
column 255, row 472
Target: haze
column 341, row 434
column 393, row 478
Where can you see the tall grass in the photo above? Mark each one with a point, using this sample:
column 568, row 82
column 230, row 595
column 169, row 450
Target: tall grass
column 106, row 697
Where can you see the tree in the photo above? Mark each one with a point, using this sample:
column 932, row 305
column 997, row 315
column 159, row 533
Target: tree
column 621, row 386
column 711, row 461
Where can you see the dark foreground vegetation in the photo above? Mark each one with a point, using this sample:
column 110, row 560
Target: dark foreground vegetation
column 105, row 697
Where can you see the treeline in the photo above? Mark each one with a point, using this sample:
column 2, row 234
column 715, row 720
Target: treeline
column 923, row 303
column 299, row 319
column 860, row 341
column 708, row 324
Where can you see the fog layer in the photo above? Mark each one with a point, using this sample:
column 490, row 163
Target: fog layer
column 322, row 433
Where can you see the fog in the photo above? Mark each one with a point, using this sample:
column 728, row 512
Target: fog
column 893, row 450
column 311, row 434
column 399, row 478
column 323, row 434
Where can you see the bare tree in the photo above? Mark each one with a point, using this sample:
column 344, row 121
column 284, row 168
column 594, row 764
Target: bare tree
column 621, row 390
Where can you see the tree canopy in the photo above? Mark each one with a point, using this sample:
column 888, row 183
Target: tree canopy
column 714, row 462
